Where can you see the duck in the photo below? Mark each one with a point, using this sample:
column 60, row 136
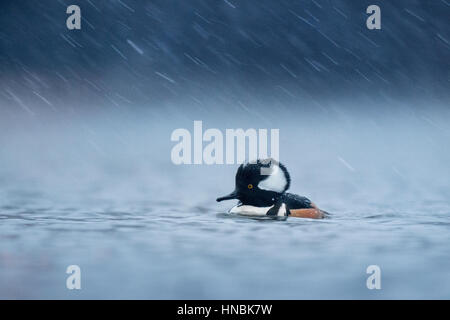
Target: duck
column 260, row 187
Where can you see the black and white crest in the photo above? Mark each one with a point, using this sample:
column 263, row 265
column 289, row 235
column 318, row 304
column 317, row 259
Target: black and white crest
column 259, row 183
column 276, row 179
column 268, row 174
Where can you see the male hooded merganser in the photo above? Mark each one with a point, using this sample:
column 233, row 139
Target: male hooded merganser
column 261, row 191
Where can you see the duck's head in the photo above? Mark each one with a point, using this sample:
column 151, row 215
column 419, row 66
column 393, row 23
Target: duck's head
column 260, row 184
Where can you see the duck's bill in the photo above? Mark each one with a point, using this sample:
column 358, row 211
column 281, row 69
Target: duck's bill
column 230, row 196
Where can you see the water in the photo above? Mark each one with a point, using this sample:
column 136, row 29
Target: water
column 109, row 200
column 159, row 250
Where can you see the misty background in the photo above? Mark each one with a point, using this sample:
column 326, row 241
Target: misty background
column 86, row 117
column 104, row 99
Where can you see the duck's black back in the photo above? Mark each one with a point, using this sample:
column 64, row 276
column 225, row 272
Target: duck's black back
column 294, row 201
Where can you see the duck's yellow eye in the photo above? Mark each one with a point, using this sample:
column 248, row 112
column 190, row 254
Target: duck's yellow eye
column 250, row 186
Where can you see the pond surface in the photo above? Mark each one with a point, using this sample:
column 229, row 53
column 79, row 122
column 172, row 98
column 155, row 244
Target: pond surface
column 163, row 250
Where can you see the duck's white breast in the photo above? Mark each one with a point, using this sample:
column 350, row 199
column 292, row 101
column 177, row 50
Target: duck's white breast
column 246, row 210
